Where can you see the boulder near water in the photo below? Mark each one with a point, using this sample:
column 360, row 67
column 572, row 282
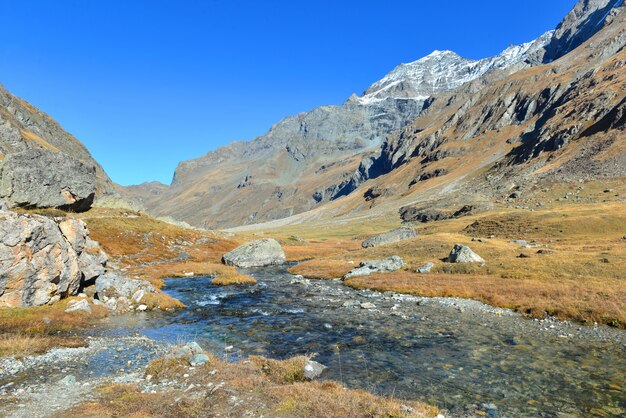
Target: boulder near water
column 313, row 369
column 395, row 235
column 259, row 253
column 120, row 293
column 368, row 267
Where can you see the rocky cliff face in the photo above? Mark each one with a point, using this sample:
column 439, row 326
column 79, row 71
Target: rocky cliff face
column 42, row 261
column 579, row 25
column 41, row 165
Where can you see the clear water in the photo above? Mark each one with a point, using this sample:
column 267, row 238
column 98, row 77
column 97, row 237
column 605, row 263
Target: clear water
column 410, row 347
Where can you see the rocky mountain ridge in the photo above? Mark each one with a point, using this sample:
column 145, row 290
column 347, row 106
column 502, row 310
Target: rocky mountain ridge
column 427, row 109
column 442, row 71
column 312, row 158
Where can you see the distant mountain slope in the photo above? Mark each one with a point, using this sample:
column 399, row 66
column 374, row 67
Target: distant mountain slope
column 544, row 136
column 280, row 173
column 425, row 109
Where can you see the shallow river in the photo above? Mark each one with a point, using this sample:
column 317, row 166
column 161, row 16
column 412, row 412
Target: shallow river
column 452, row 353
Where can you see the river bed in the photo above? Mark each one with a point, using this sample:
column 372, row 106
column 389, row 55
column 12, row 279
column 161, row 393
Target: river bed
column 468, row 358
column 455, row 353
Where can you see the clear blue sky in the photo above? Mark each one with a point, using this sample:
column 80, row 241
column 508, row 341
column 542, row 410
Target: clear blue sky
column 146, row 84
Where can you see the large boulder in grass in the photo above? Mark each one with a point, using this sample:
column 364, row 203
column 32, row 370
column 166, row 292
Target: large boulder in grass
column 464, row 254
column 259, row 253
column 368, row 267
column 395, row 235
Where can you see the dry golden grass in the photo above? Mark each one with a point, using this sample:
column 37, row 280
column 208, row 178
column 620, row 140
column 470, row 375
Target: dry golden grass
column 262, row 387
column 33, row 137
column 167, row 367
column 319, row 249
column 149, row 249
column 20, row 345
column 133, row 239
column 239, row 279
column 281, row 371
column 590, row 302
column 584, row 278
column 26, row 331
column 161, row 301
column 224, row 275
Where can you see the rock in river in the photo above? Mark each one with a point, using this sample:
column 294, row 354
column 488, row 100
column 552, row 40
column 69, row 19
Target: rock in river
column 259, row 253
column 395, row 235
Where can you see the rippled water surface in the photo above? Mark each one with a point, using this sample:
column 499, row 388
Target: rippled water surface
column 453, row 354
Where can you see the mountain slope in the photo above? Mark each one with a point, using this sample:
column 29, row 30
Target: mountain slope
column 280, row 173
column 511, row 142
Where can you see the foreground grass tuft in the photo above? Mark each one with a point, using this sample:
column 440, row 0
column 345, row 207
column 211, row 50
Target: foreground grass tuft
column 255, row 387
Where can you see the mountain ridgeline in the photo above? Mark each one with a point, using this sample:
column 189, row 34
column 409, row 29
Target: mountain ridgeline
column 552, row 108
column 440, row 114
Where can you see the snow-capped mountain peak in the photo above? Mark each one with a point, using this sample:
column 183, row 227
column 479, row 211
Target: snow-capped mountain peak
column 443, row 71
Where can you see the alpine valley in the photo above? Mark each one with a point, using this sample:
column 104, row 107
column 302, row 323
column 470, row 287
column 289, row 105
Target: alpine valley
column 449, row 243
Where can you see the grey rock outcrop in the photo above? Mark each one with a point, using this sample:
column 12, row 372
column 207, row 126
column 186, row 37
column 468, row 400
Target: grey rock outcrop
column 259, row 253
column 368, row 267
column 464, row 254
column 41, row 179
column 395, row 235
column 42, row 261
column 119, row 293
column 579, row 25
column 425, row 215
column 425, row 268
column 41, row 165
